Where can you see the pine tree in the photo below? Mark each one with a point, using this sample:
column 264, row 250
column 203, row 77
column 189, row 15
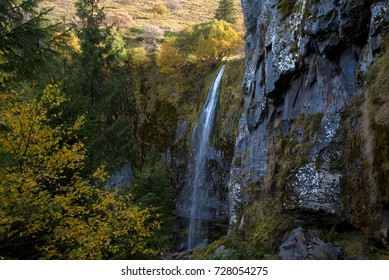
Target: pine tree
column 100, row 48
column 26, row 37
column 92, row 39
column 226, row 11
column 151, row 188
column 151, row 184
column 98, row 84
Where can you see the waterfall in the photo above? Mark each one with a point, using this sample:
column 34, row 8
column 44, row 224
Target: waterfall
column 201, row 150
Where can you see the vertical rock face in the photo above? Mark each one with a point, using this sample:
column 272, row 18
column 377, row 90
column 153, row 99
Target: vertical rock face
column 303, row 61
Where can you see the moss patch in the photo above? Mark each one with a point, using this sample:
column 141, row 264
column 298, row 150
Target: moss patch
column 357, row 245
column 365, row 133
column 230, row 108
column 286, row 8
column 208, row 251
column 377, row 106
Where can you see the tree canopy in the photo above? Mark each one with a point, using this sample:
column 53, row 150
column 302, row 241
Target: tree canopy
column 210, row 41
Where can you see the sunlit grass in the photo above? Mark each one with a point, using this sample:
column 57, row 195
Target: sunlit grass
column 190, row 12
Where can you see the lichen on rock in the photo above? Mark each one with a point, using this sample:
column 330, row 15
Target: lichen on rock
column 302, row 72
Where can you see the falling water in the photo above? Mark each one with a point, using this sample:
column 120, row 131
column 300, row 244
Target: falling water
column 201, row 149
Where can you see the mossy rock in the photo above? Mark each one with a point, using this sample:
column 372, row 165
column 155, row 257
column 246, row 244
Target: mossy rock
column 286, row 8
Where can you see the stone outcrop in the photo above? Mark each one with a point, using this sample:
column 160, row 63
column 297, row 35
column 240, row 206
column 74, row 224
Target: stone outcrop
column 304, row 63
column 307, row 245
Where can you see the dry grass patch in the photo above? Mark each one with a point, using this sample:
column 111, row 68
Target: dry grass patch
column 189, row 12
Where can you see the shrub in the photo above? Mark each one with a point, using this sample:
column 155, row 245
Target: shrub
column 160, row 8
column 152, row 34
column 139, row 57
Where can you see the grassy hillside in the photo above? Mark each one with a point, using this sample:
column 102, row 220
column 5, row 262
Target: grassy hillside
column 140, row 12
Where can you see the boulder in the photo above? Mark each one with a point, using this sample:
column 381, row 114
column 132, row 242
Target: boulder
column 307, row 245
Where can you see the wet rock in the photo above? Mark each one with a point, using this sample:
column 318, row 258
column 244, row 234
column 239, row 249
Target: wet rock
column 384, row 229
column 380, row 15
column 120, row 178
column 181, row 131
column 181, row 255
column 307, row 245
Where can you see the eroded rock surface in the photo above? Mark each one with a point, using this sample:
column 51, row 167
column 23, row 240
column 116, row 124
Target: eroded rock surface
column 303, row 69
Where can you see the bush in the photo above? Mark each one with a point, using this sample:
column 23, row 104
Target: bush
column 120, row 19
column 160, row 8
column 151, row 35
column 139, row 57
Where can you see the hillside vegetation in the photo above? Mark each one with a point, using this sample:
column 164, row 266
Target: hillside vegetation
column 140, row 13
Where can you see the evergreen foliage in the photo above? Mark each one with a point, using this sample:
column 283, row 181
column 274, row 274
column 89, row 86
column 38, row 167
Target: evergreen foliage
column 226, row 11
column 92, row 48
column 26, row 37
column 99, row 83
column 151, row 188
column 151, row 184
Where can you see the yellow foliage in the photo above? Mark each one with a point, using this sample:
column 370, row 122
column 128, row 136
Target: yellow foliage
column 222, row 41
column 170, row 58
column 160, row 8
column 225, row 38
column 71, row 41
column 205, row 49
column 43, row 199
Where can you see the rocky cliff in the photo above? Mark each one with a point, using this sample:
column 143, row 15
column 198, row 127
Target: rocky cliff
column 307, row 148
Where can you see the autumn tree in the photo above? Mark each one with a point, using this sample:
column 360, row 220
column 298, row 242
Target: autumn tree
column 48, row 209
column 226, row 11
column 221, row 43
column 138, row 58
column 121, row 20
column 160, row 8
column 209, row 41
column 170, row 58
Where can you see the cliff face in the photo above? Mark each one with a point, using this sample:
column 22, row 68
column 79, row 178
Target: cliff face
column 303, row 141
